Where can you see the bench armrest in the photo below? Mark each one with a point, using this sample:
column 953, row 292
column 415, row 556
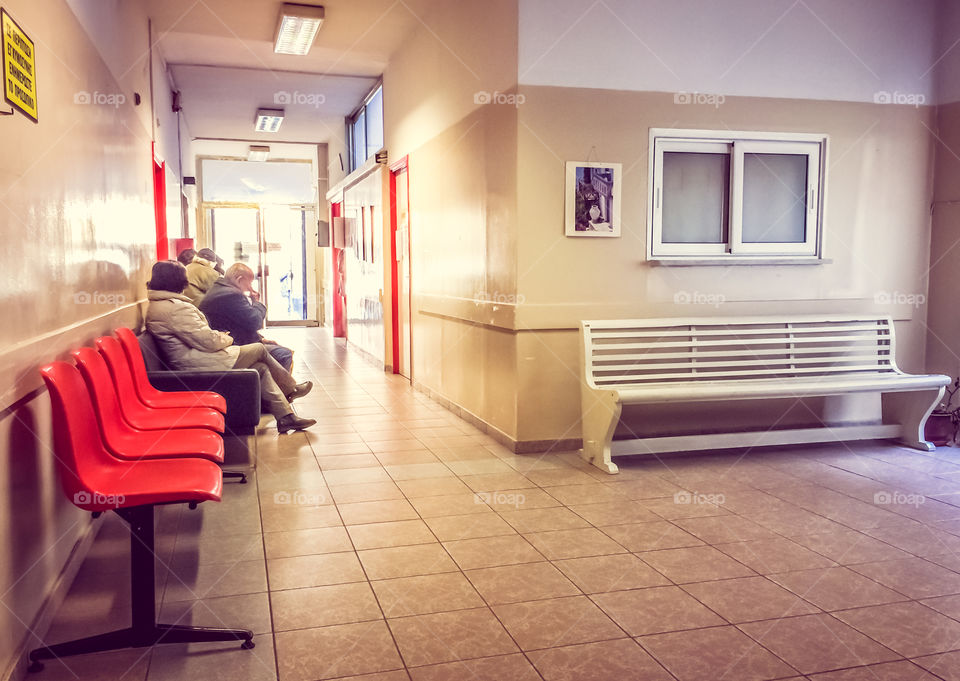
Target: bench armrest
column 239, row 387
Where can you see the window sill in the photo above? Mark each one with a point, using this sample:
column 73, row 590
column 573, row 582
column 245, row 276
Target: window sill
column 685, row 261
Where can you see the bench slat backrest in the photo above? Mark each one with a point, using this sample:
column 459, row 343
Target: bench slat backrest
column 633, row 353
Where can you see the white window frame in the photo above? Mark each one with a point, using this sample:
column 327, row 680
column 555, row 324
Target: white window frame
column 353, row 162
column 736, row 144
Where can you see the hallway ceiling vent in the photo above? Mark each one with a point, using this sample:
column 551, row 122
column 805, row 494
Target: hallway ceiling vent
column 268, row 120
column 258, row 153
column 297, row 29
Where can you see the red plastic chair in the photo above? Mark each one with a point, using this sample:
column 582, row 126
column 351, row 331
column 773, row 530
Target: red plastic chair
column 97, row 481
column 159, row 398
column 138, row 414
column 127, row 442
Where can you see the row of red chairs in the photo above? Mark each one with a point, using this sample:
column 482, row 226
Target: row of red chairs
column 124, row 446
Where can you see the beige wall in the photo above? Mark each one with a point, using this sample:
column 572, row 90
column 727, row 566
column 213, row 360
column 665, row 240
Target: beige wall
column 462, row 173
column 463, row 243
column 943, row 341
column 431, row 83
column 947, row 72
column 877, row 229
column 76, row 220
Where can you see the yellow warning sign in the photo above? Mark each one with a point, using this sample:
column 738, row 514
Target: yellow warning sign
column 19, row 68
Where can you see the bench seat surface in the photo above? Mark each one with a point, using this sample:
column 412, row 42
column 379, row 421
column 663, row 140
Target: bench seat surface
column 694, row 391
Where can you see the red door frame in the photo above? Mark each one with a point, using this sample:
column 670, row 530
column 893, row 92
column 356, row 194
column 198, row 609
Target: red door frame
column 395, row 168
column 339, row 292
column 160, row 202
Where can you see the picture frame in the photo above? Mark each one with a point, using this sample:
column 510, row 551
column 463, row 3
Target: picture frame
column 592, row 199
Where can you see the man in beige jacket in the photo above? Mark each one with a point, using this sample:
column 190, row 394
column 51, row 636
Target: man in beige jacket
column 201, row 273
column 188, row 342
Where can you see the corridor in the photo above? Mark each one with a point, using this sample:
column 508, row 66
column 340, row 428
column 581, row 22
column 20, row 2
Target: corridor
column 395, row 541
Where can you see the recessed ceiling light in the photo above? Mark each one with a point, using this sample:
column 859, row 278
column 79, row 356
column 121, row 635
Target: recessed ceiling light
column 297, row 29
column 268, row 120
column 258, row 153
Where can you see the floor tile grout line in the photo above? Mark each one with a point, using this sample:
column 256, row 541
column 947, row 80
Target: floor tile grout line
column 266, row 572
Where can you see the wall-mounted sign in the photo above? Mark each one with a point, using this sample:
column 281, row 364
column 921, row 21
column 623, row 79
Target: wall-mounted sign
column 19, row 68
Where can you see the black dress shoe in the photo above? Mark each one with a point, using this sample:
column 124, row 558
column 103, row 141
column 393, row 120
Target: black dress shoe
column 300, row 390
column 293, row 422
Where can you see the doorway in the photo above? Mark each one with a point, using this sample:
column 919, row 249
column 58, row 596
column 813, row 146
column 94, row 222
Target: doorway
column 400, row 224
column 160, row 205
column 273, row 240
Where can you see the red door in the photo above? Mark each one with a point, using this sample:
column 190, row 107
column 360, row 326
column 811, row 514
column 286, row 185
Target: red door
column 160, row 205
column 400, row 269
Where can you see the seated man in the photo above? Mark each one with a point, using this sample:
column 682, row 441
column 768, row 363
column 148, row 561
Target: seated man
column 205, row 269
column 188, row 342
column 186, row 256
column 233, row 306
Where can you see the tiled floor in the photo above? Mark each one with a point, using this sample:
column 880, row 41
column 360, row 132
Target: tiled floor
column 396, row 542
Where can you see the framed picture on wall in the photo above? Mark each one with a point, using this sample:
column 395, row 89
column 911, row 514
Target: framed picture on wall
column 592, row 206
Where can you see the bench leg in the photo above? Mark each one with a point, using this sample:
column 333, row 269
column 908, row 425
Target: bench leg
column 600, row 415
column 911, row 410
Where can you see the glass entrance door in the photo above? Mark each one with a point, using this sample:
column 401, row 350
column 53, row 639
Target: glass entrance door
column 289, row 273
column 277, row 243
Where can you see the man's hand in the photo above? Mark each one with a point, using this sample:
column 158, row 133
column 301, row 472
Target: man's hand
column 254, row 295
column 269, row 342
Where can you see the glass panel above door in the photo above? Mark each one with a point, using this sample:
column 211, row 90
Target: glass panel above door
column 266, row 182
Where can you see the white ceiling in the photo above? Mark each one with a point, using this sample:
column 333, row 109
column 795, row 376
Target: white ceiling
column 221, row 102
column 221, row 58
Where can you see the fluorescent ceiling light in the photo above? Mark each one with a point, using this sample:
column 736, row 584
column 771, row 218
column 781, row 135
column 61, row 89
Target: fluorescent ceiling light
column 297, row 29
column 268, row 120
column 258, row 153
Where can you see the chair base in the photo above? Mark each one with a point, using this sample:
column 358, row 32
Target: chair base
column 138, row 638
column 144, row 630
column 235, row 475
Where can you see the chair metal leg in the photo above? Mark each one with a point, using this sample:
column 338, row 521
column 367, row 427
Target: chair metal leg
column 181, row 633
column 235, row 475
column 121, row 638
column 144, row 630
column 133, row 638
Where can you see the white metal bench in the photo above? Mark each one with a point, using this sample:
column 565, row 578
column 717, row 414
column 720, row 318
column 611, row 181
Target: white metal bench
column 848, row 360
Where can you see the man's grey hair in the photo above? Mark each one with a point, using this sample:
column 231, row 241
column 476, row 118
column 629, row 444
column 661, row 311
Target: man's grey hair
column 237, row 271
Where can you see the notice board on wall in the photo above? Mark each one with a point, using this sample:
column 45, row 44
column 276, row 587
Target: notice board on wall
column 19, row 68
